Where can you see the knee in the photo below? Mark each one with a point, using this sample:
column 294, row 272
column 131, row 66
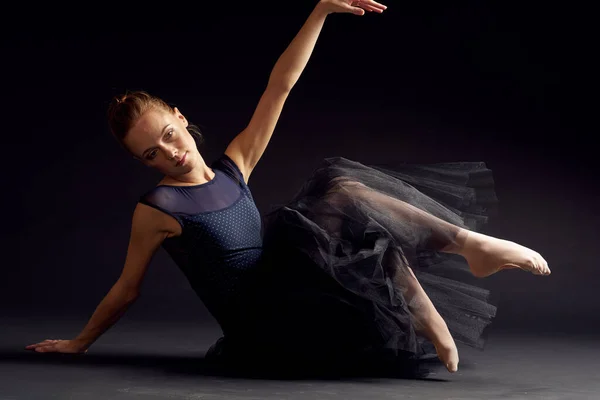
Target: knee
column 345, row 182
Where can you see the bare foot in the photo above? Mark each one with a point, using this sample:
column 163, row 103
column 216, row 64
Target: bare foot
column 434, row 328
column 487, row 255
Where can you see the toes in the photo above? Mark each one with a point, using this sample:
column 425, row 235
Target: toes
column 548, row 272
column 543, row 265
column 452, row 367
column 540, row 266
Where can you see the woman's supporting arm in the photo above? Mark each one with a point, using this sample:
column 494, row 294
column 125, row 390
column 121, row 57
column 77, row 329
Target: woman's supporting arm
column 118, row 299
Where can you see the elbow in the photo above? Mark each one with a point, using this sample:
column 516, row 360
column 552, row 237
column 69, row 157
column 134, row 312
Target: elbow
column 132, row 296
column 128, row 292
column 281, row 84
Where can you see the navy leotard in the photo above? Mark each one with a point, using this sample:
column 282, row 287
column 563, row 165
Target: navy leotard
column 221, row 238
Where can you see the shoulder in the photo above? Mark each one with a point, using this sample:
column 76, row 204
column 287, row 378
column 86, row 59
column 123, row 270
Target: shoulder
column 153, row 222
column 232, row 162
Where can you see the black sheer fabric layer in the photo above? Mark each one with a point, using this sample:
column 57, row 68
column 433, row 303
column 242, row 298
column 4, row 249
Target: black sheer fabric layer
column 334, row 276
column 338, row 258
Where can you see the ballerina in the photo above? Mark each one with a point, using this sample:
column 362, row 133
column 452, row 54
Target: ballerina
column 350, row 231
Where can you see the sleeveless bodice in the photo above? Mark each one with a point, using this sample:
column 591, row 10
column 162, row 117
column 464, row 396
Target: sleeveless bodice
column 221, row 239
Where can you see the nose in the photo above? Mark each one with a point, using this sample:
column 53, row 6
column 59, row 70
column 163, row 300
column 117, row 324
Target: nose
column 171, row 153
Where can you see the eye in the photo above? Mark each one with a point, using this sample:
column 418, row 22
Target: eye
column 151, row 155
column 170, row 133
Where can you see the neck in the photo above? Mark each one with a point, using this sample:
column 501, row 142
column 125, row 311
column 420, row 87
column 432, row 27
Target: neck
column 197, row 175
column 201, row 173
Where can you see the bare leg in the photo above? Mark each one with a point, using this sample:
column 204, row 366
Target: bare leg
column 428, row 321
column 485, row 255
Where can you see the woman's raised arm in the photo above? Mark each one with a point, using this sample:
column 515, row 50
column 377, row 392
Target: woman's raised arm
column 247, row 148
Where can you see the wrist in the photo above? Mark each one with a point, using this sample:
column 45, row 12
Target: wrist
column 83, row 342
column 322, row 7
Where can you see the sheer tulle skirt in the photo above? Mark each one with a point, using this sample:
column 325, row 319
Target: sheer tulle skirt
column 338, row 256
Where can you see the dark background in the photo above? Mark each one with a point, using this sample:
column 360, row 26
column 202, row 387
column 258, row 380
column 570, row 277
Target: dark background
column 425, row 82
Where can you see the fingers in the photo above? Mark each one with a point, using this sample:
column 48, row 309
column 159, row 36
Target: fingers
column 356, row 10
column 46, row 349
column 41, row 346
column 369, row 8
column 372, row 5
column 359, row 7
column 33, row 346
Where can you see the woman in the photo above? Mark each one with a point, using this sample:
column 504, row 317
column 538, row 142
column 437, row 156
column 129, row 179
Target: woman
column 360, row 262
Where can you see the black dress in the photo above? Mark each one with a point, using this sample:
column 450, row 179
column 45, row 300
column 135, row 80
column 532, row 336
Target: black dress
column 324, row 279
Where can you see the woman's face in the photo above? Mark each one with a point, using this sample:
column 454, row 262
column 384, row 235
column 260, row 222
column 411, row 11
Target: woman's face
column 160, row 140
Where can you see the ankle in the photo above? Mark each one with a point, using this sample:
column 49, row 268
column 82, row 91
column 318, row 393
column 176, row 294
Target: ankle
column 471, row 243
column 462, row 241
column 433, row 325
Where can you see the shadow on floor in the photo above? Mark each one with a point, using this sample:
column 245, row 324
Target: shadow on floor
column 198, row 364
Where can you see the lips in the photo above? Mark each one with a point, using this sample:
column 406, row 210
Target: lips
column 182, row 160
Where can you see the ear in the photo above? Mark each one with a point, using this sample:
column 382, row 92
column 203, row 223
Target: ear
column 180, row 116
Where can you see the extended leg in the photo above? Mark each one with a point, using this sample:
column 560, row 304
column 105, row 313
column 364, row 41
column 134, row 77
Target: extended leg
column 484, row 254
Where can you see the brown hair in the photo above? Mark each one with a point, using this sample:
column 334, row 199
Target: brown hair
column 124, row 110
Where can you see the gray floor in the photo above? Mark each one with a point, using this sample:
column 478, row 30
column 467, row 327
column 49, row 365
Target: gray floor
column 156, row 361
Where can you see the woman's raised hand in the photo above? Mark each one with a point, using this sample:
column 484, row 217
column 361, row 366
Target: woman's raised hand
column 357, row 7
column 59, row 346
